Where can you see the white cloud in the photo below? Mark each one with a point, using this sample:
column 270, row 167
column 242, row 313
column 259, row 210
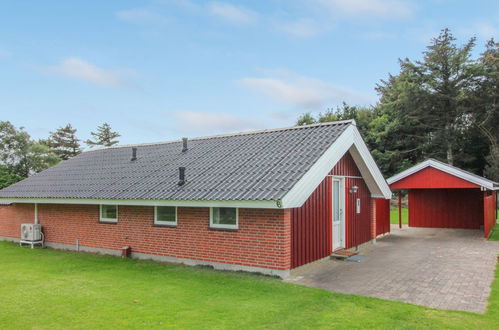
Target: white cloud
column 233, row 14
column 79, row 69
column 302, row 28
column 141, row 15
column 389, row 9
column 303, row 92
column 208, row 122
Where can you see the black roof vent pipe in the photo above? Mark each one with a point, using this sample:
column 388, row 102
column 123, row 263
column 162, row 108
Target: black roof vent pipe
column 184, row 144
column 181, row 176
column 134, row 154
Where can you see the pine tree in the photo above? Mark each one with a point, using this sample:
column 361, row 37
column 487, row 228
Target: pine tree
column 64, row 143
column 103, row 137
column 426, row 103
column 484, row 108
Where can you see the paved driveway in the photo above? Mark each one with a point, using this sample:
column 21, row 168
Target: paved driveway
column 440, row 268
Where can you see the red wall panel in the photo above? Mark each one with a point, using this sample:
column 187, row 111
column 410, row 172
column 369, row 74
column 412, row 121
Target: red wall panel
column 311, row 227
column 358, row 225
column 311, row 223
column 446, row 208
column 489, row 217
column 430, row 177
column 382, row 216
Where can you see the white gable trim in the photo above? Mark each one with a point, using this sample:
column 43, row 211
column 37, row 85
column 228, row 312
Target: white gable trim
column 349, row 140
column 482, row 182
column 370, row 171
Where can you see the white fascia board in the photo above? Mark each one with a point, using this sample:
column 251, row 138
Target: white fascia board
column 444, row 168
column 147, row 202
column 369, row 169
column 302, row 190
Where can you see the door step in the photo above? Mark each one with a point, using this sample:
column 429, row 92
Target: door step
column 343, row 254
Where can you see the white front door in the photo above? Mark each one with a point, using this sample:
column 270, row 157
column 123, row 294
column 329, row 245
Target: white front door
column 338, row 214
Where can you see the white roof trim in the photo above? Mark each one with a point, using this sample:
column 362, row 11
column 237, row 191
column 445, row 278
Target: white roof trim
column 369, row 169
column 147, row 202
column 349, row 140
column 462, row 174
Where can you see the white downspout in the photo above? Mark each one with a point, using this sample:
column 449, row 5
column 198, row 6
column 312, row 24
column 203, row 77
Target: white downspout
column 36, row 213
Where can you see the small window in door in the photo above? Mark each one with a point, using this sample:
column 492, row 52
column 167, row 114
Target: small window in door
column 336, row 200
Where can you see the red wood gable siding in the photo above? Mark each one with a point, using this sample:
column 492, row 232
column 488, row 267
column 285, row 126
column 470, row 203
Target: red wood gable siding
column 446, row 208
column 346, row 166
column 311, row 223
column 431, row 178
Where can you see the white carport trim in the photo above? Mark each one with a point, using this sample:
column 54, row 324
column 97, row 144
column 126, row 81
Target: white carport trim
column 462, row 174
column 349, row 140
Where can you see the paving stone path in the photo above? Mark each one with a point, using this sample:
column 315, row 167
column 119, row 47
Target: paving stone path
column 440, row 268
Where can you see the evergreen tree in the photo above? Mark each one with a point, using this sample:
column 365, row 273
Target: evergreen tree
column 64, row 143
column 425, row 106
column 305, row 119
column 103, row 137
column 484, row 106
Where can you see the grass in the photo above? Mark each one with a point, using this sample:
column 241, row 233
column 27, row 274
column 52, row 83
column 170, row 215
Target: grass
column 394, row 219
column 394, row 215
column 494, row 236
column 49, row 289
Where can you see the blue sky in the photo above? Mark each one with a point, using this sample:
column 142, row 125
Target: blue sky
column 161, row 69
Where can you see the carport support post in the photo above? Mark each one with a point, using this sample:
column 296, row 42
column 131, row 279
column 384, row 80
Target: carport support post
column 400, row 208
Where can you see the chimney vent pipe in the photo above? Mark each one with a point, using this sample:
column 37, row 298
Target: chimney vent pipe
column 181, row 176
column 134, row 154
column 184, row 144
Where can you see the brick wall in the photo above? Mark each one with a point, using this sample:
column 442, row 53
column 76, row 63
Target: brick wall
column 262, row 240
column 373, row 218
column 12, row 216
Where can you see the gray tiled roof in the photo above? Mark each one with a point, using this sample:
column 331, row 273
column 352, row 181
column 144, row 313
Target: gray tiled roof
column 260, row 165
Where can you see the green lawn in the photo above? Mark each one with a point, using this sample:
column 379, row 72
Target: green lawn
column 495, row 234
column 48, row 289
column 394, row 218
column 394, row 215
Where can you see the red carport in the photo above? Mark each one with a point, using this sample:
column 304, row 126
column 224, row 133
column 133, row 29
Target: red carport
column 444, row 196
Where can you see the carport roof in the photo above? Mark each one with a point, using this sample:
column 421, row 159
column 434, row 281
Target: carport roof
column 446, row 168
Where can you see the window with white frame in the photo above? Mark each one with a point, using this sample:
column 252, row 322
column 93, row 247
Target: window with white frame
column 165, row 215
column 108, row 213
column 224, row 217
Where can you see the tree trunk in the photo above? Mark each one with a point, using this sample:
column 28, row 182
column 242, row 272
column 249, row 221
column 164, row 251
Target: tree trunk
column 450, row 155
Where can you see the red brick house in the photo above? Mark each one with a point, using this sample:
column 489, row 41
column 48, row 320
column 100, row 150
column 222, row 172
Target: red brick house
column 265, row 201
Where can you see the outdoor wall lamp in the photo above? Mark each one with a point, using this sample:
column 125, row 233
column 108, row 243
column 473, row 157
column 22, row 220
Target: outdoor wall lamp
column 354, row 189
